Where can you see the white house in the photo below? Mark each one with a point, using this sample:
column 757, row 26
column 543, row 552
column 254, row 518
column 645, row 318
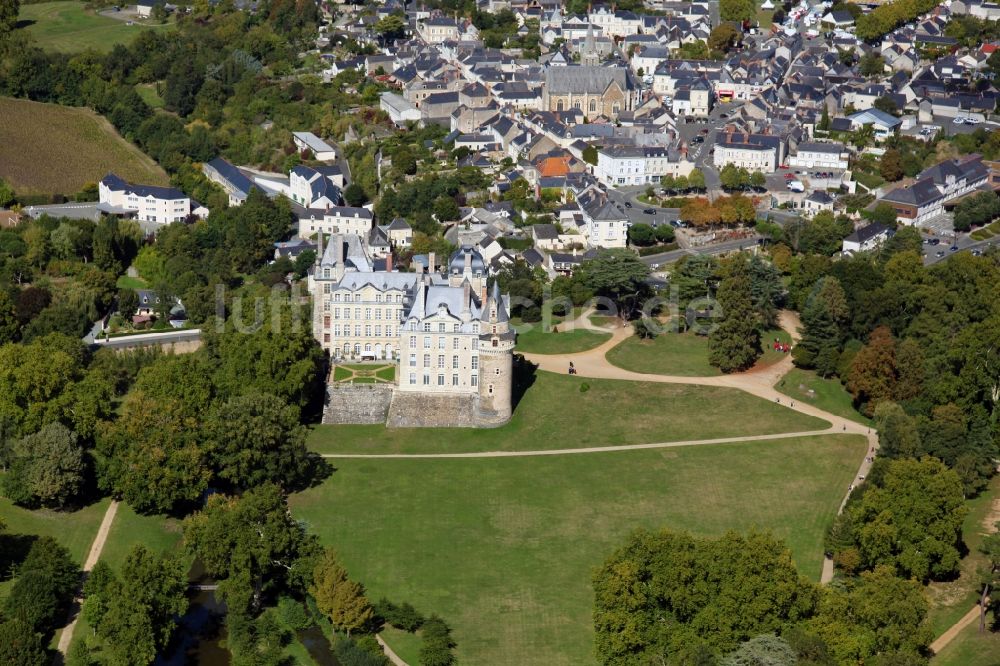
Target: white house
column 867, row 238
column 882, row 123
column 336, row 220
column 811, row 155
column 754, row 152
column 605, row 225
column 619, row 166
column 148, row 203
column 323, row 151
column 818, row 201
column 315, row 188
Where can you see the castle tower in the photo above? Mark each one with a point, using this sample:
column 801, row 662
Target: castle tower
column 496, row 360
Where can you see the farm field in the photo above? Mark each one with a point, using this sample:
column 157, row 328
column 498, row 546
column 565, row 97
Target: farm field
column 69, row 27
column 503, row 548
column 47, row 148
column 554, row 413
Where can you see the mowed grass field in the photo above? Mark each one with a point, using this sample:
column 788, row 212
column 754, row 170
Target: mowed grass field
column 555, row 414
column 504, row 548
column 47, row 148
column 74, row 529
column 683, row 354
column 68, row 27
column 534, row 339
column 828, row 394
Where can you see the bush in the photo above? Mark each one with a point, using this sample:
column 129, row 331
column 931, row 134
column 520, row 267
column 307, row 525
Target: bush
column 584, row 387
column 403, row 616
column 349, row 653
column 292, row 614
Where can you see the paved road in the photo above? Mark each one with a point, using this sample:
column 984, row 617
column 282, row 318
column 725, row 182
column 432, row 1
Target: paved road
column 718, row 248
column 964, row 243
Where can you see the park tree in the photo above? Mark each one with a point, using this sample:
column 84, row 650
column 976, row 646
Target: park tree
column 45, row 583
column 256, row 641
column 437, row 645
column 21, row 645
column 734, row 345
column 878, row 614
column 46, row 468
column 872, row 376
column 696, row 180
column 391, row 27
column 404, row 161
column 339, row 598
column 256, row 438
column 664, row 591
column 251, row 545
column 590, row 155
column 445, row 209
column 910, row 519
column 618, row 275
column 737, row 10
column 135, row 613
column 758, row 180
column 9, row 10
column 898, row 436
column 883, row 213
column 9, row 324
column 823, row 320
column 763, row 650
column 641, row 235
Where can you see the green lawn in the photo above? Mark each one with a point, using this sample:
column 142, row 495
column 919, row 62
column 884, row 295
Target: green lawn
column 951, row 600
column 158, row 533
column 69, row 27
column 829, row 394
column 147, row 91
column 128, row 282
column 684, row 354
column 554, row 414
column 534, row 339
column 405, row 645
column 73, row 529
column 970, row 648
column 503, row 549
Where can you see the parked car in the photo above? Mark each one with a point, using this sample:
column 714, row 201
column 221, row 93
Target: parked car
column 972, row 121
column 650, row 211
column 959, row 120
column 628, row 204
column 939, row 254
column 935, row 241
column 954, row 248
column 789, row 176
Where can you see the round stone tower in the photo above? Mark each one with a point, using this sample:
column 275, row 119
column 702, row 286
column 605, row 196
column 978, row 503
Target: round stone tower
column 496, row 361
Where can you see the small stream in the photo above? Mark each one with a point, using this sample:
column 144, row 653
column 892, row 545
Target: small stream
column 201, row 632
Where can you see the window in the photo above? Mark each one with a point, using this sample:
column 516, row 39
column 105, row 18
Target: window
column 378, row 331
column 427, row 342
column 454, row 362
column 357, row 330
column 336, row 313
column 454, row 343
column 475, row 362
column 593, row 105
column 475, row 380
column 440, row 380
column 494, row 342
column 336, row 330
column 368, row 313
column 441, row 344
column 427, row 327
column 413, row 341
column 368, row 331
column 413, row 379
column 440, row 360
column 378, row 313
column 490, row 389
column 427, row 360
column 357, row 349
column 326, row 321
column 475, row 343
column 326, row 290
column 454, row 380
column 456, row 328
column 413, row 361
column 336, row 297
column 498, row 372
column 326, row 337
column 368, row 349
column 357, row 313
column 441, row 327
column 427, row 380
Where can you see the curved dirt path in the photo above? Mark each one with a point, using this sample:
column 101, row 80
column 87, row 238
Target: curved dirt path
column 66, row 637
column 954, row 630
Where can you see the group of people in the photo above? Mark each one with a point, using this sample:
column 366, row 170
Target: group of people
column 572, row 370
column 783, row 347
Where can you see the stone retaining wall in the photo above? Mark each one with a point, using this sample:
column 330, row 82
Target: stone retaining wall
column 357, row 403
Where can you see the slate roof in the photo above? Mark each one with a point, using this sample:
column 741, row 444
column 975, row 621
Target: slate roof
column 584, row 79
column 868, row 232
column 116, row 184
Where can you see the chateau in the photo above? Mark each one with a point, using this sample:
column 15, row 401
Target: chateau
column 451, row 340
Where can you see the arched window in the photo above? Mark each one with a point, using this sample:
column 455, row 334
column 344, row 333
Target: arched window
column 593, row 105
column 578, row 105
column 616, row 108
column 559, row 105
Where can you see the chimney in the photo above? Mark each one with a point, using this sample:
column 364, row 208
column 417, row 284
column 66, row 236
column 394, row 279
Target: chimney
column 482, row 294
column 388, row 262
column 466, row 295
column 430, row 262
column 468, row 261
column 319, row 247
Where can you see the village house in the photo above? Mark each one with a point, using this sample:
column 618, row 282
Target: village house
column 148, row 203
column 321, row 150
column 934, row 187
